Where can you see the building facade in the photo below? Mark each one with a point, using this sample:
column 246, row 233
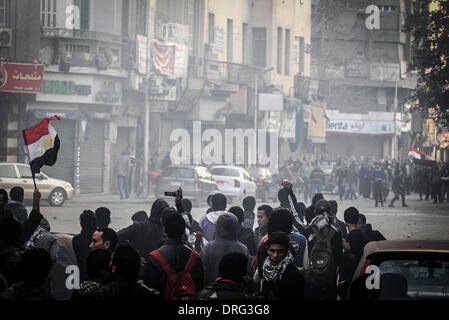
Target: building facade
column 360, row 71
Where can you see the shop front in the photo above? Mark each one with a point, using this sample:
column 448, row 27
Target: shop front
column 368, row 135
column 86, row 105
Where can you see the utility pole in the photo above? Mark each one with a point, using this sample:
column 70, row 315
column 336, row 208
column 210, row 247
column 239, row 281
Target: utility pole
column 147, row 108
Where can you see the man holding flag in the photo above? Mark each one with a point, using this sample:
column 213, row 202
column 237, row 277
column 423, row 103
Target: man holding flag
column 42, row 143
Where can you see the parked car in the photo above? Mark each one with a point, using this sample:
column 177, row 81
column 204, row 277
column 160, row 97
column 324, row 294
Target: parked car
column 234, row 182
column 19, row 174
column 408, row 270
column 267, row 188
column 196, row 182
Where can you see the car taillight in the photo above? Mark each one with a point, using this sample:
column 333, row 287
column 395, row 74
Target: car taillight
column 259, row 181
column 236, row 183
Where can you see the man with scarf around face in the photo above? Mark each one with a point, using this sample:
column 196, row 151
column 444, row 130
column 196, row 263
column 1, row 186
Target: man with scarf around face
column 281, row 279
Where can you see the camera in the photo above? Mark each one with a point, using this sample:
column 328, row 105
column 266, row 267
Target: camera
column 170, row 194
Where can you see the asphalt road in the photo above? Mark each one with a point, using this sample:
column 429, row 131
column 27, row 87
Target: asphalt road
column 421, row 220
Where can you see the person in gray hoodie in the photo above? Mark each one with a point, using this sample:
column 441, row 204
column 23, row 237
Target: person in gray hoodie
column 225, row 242
column 208, row 222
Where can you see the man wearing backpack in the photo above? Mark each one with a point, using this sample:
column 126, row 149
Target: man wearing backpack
column 325, row 247
column 174, row 269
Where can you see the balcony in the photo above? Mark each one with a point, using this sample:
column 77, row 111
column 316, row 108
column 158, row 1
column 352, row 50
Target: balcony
column 82, row 48
column 81, row 34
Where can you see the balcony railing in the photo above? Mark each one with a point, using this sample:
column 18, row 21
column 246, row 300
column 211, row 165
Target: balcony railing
column 81, row 34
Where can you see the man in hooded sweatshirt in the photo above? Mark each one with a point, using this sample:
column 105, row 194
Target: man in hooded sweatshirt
column 225, row 242
column 146, row 236
column 208, row 222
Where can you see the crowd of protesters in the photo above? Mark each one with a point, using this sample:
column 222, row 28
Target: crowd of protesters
column 372, row 178
column 295, row 252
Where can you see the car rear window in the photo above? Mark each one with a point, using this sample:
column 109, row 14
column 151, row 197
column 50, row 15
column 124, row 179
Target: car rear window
column 228, row 172
column 7, row 171
column 203, row 172
column 419, row 278
column 179, row 172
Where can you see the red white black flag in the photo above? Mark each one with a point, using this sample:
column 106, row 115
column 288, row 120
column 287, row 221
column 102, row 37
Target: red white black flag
column 42, row 143
column 420, row 155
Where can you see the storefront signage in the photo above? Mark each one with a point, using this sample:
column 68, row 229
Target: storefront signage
column 21, row 77
column 66, row 87
column 375, row 127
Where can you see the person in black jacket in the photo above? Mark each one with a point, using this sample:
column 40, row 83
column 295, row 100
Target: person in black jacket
column 244, row 235
column 231, row 282
column 34, row 267
column 81, row 241
column 310, row 211
column 147, row 236
column 176, row 254
column 125, row 265
column 367, row 229
column 98, row 273
column 9, row 249
column 3, row 203
column 16, row 206
column 249, row 203
column 281, row 279
column 353, row 245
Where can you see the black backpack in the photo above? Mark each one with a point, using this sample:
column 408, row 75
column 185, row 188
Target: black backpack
column 322, row 267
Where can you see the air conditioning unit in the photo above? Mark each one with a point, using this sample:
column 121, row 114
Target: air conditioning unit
column 5, row 37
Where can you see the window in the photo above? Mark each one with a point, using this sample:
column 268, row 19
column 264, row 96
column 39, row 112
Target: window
column 245, row 43
column 179, row 172
column 259, row 47
column 3, row 13
column 287, row 52
column 227, row 172
column 24, row 171
column 203, row 173
column 301, row 54
column 279, row 55
column 418, row 278
column 141, row 8
column 7, row 171
column 211, row 28
column 230, row 44
column 84, row 6
column 48, row 13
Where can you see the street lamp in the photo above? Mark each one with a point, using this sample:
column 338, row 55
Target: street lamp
column 256, row 100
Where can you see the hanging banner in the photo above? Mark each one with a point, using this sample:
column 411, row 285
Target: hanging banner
column 141, row 42
column 163, row 57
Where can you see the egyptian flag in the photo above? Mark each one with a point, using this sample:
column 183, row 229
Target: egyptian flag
column 42, row 143
column 420, row 155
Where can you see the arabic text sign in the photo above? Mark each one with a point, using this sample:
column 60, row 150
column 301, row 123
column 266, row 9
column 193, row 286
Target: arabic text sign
column 375, row 127
column 21, row 77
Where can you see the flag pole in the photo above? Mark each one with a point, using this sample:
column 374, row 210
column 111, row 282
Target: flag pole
column 34, row 180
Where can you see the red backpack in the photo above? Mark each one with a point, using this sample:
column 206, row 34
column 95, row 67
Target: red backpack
column 180, row 285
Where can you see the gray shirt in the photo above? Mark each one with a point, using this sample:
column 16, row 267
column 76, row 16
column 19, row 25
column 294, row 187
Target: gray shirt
column 122, row 166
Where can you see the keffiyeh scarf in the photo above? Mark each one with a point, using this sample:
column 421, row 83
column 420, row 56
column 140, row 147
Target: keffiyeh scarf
column 271, row 273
